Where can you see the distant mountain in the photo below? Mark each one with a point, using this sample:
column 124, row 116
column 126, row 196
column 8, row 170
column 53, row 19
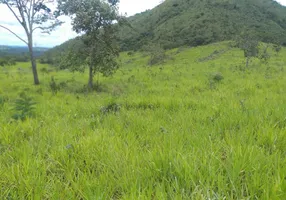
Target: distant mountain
column 12, row 51
column 177, row 23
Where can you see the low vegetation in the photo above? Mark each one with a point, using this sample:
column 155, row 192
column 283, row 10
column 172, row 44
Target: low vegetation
column 190, row 128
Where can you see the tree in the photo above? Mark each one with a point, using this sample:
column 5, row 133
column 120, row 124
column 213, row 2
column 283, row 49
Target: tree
column 98, row 48
column 156, row 52
column 249, row 44
column 277, row 48
column 264, row 55
column 32, row 15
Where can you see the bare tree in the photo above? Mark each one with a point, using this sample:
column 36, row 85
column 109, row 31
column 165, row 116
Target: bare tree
column 32, row 15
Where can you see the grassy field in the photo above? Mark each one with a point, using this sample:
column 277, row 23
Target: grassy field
column 201, row 126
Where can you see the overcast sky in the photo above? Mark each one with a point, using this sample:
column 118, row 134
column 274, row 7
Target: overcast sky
column 63, row 33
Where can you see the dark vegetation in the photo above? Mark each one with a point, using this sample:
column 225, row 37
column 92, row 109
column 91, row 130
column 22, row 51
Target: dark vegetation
column 176, row 23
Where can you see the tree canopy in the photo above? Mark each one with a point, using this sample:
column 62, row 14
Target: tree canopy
column 98, row 48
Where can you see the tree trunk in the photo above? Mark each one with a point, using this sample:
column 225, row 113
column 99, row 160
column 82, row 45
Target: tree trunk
column 90, row 79
column 33, row 61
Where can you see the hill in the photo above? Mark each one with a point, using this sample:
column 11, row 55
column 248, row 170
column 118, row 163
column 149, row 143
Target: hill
column 177, row 23
column 197, row 22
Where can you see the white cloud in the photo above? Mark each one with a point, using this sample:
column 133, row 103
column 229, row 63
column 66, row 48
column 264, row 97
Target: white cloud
column 64, row 32
column 282, row 2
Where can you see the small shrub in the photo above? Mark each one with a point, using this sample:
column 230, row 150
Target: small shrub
column 62, row 85
column 130, row 53
column 158, row 57
column 277, row 48
column 214, row 79
column 24, row 107
column 110, row 108
column 157, row 54
column 265, row 57
column 217, row 77
column 54, row 86
column 45, row 70
column 40, row 91
column 6, row 61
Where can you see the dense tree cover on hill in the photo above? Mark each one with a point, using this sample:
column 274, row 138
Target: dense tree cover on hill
column 197, row 22
column 53, row 55
column 177, row 23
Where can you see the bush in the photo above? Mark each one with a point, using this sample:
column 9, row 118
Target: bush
column 24, row 107
column 217, row 77
column 214, row 79
column 44, row 70
column 110, row 108
column 7, row 62
column 277, row 48
column 157, row 54
column 54, row 86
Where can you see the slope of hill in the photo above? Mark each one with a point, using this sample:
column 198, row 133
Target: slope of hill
column 196, row 22
column 177, row 23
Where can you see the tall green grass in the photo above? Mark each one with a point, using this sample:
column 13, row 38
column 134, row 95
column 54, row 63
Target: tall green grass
column 173, row 131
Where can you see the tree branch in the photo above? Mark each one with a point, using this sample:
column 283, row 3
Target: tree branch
column 14, row 34
column 42, row 28
column 24, row 23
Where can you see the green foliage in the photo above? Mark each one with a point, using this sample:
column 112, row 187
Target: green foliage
column 217, row 77
column 196, row 22
column 214, row 79
column 98, row 49
column 24, row 108
column 156, row 53
column 110, row 108
column 54, row 86
column 44, row 70
column 277, row 48
column 264, row 55
column 6, row 61
column 248, row 42
column 252, row 48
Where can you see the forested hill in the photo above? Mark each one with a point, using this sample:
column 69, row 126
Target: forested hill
column 177, row 23
column 196, row 22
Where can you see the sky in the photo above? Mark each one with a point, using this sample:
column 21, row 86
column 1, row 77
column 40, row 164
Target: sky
column 64, row 32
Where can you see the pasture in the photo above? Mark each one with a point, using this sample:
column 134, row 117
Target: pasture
column 200, row 126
